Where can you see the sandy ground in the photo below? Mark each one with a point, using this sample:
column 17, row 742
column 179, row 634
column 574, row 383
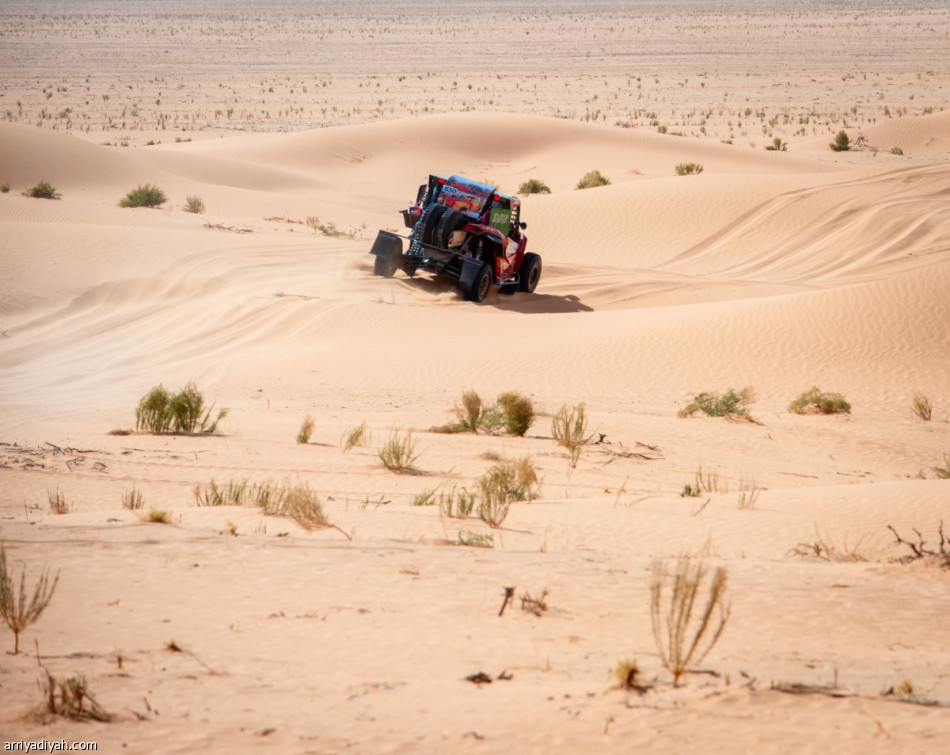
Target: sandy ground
column 228, row 629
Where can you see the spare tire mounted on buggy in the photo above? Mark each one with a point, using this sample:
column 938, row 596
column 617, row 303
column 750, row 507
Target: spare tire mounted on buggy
column 464, row 230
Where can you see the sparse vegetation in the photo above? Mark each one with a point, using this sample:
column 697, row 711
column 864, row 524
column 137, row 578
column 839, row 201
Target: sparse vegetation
column 195, row 205
column 5, row 188
column 943, row 473
column 398, row 454
column 920, row 549
column 358, row 436
column 17, row 613
column 503, row 483
column 517, row 412
column 749, row 492
column 731, row 403
column 814, row 401
column 922, row 406
column 144, row 196
column 43, row 190
column 842, row 142
column 626, row 673
column 534, row 186
column 569, row 428
column 301, row 504
column 160, row 411
column 457, row 504
column 704, row 482
column 688, row 169
column 593, row 179
column 475, row 539
column 424, row 498
column 158, row 516
column 897, row 151
column 132, row 499
column 850, row 548
column 777, row 145
column 57, row 502
column 72, row 699
column 681, row 642
column 306, row 430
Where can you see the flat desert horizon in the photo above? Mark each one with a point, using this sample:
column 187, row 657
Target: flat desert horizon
column 272, row 583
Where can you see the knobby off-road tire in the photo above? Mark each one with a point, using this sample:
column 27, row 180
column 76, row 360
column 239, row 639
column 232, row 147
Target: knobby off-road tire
column 426, row 227
column 450, row 222
column 530, row 273
column 482, row 284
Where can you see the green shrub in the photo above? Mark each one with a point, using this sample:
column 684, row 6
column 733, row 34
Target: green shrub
column 842, row 142
column 688, row 169
column 144, row 196
column 43, row 190
column 184, row 412
column 15, row 611
column 457, row 504
column 194, row 205
column 534, row 186
column 4, row 188
column 731, row 403
column 569, row 428
column 306, row 430
column 592, row 179
column 517, row 412
column 815, row 402
column 777, row 145
column 398, row 454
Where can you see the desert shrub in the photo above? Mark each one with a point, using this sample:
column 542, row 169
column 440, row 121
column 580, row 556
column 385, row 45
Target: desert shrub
column 681, row 641
column 688, row 169
column 303, row 506
column 593, row 179
column 17, row 613
column 777, row 145
column 897, row 151
column 471, row 413
column 504, row 483
column 194, row 205
column 534, row 186
column 160, row 411
column 626, row 673
column 849, row 548
column 158, row 516
column 144, row 196
column 132, row 499
column 943, row 473
column 43, row 190
column 517, row 412
column 306, row 430
column 398, row 454
column 731, row 403
column 57, row 502
column 475, row 539
column 267, row 496
column 355, row 437
column 749, row 492
column 842, row 142
column 813, row 401
column 922, row 407
column 569, row 428
column 5, row 188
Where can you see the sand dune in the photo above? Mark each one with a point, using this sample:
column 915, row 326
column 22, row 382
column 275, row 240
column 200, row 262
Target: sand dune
column 774, row 270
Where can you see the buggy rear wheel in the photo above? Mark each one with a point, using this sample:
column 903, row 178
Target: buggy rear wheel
column 482, row 284
column 530, row 272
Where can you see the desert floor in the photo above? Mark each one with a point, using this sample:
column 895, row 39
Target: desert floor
column 304, row 128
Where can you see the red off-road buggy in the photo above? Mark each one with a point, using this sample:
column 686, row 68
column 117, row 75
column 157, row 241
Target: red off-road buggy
column 464, row 230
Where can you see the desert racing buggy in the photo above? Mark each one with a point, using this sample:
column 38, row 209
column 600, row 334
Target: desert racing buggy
column 466, row 231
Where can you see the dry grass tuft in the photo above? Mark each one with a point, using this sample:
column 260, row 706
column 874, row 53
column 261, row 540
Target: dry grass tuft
column 569, row 428
column 158, row 516
column 730, row 404
column 72, row 699
column 943, row 473
column 16, row 611
column 681, row 641
column 593, row 179
column 850, row 549
column 626, row 674
column 57, row 502
column 306, row 430
column 399, row 453
column 132, row 499
column 160, row 411
column 922, row 407
column 358, row 436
